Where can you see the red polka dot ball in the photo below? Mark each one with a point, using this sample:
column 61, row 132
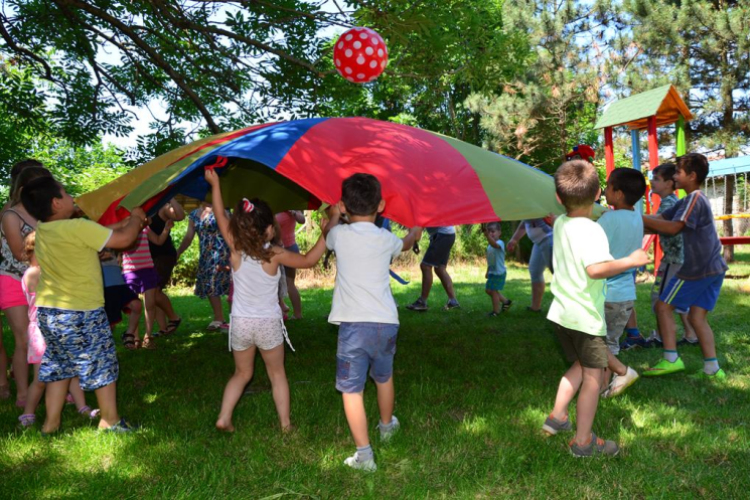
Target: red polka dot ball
column 360, row 55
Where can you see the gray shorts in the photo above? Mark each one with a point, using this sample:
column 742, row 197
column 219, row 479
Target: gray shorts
column 616, row 315
column 364, row 346
column 541, row 258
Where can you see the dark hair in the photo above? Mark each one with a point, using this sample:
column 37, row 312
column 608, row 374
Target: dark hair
column 37, row 195
column 665, row 171
column 576, row 183
column 493, row 226
column 21, row 165
column 27, row 174
column 248, row 229
column 630, row 181
column 361, row 194
column 694, row 163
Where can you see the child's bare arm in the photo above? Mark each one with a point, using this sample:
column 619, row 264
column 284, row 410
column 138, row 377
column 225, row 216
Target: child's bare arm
column 611, row 268
column 657, row 224
column 414, row 234
column 221, row 216
column 334, row 215
column 124, row 237
column 160, row 239
column 298, row 261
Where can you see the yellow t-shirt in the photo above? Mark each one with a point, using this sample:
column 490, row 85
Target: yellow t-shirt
column 578, row 300
column 67, row 251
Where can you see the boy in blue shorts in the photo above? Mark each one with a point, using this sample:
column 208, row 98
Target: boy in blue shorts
column 70, row 301
column 697, row 284
column 624, row 229
column 364, row 308
column 581, row 258
column 496, row 272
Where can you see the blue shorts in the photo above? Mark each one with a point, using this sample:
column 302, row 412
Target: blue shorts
column 495, row 282
column 683, row 294
column 79, row 344
column 364, row 346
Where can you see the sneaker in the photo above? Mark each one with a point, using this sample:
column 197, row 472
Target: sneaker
column 620, row 383
column 121, row 427
column 701, row 375
column 452, row 304
column 684, row 341
column 552, row 426
column 633, row 342
column 655, row 340
column 367, row 465
column 664, row 367
column 597, row 446
column 417, row 305
column 507, row 305
column 387, row 434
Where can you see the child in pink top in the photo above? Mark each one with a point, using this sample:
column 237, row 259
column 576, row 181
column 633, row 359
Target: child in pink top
column 141, row 276
column 37, row 346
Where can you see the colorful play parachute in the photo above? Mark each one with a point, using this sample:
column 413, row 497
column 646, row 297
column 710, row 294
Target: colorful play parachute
column 428, row 179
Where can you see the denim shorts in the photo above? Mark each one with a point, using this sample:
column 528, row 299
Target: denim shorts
column 541, row 258
column 364, row 346
column 79, row 344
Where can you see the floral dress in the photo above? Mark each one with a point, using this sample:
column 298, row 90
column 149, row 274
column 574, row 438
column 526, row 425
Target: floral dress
column 213, row 273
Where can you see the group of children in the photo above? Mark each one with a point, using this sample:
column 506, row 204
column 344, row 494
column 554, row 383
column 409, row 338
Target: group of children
column 65, row 284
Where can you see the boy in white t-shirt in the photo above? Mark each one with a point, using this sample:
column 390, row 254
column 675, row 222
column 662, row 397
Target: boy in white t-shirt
column 364, row 308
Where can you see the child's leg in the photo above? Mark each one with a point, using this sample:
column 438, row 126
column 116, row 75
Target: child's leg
column 4, row 388
column 79, row 398
column 164, row 306
column 243, row 371
column 588, row 400
column 495, row 296
column 18, row 319
column 667, row 327
column 386, row 400
column 106, row 398
column 689, row 330
column 698, row 317
column 566, row 391
column 215, row 302
column 150, row 306
column 54, row 401
column 354, row 409
column 274, row 360
column 36, row 391
column 134, row 318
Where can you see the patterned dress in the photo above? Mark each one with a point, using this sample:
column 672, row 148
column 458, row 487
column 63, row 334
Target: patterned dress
column 213, row 274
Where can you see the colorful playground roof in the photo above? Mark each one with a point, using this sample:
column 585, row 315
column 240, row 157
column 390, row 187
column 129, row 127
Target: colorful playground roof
column 729, row 166
column 663, row 102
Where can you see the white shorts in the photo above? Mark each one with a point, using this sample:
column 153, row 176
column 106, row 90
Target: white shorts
column 264, row 333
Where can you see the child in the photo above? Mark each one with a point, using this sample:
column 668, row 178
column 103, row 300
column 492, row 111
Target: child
column 662, row 185
column 364, row 309
column 436, row 257
column 495, row 274
column 70, row 301
column 36, row 345
column 582, row 261
column 140, row 275
column 118, row 297
column 696, row 286
column 256, row 319
column 624, row 229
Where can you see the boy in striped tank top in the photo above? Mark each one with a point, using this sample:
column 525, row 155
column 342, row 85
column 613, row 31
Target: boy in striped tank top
column 140, row 275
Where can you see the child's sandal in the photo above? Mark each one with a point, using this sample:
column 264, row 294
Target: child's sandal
column 148, row 343
column 172, row 326
column 26, row 420
column 129, row 341
column 88, row 412
column 507, row 305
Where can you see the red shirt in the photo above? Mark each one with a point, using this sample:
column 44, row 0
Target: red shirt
column 287, row 223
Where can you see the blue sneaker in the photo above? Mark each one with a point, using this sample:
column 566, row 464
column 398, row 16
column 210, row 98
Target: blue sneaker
column 633, row 342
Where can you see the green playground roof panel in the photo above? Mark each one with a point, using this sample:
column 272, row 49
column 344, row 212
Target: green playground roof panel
column 663, row 102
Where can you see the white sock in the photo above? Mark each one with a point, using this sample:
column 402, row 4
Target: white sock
column 710, row 366
column 364, row 453
column 671, row 356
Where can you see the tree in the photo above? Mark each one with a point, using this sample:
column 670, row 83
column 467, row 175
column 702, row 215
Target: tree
column 552, row 104
column 703, row 48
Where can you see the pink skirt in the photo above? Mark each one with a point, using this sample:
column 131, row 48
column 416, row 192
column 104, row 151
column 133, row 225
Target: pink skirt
column 37, row 345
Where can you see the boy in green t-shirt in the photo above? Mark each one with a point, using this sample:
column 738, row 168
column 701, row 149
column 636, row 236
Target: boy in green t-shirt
column 582, row 262
column 70, row 301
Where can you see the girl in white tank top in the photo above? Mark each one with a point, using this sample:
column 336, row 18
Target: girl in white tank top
column 256, row 316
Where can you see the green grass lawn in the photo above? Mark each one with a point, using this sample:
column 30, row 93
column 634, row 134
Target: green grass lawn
column 471, row 394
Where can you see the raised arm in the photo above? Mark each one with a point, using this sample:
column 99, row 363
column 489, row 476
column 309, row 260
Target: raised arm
column 125, row 236
column 412, row 237
column 298, row 215
column 187, row 239
column 334, row 216
column 299, row 261
column 611, row 268
column 520, row 233
column 172, row 210
column 160, row 239
column 492, row 242
column 657, row 224
column 221, row 216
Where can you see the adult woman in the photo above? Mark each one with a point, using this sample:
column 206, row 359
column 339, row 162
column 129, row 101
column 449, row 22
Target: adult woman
column 540, row 233
column 213, row 265
column 288, row 221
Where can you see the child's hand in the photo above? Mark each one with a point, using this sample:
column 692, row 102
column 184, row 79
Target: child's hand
column 511, row 246
column 639, row 258
column 211, row 177
column 169, row 225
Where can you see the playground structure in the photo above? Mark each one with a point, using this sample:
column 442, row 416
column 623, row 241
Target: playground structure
column 716, row 182
column 646, row 111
